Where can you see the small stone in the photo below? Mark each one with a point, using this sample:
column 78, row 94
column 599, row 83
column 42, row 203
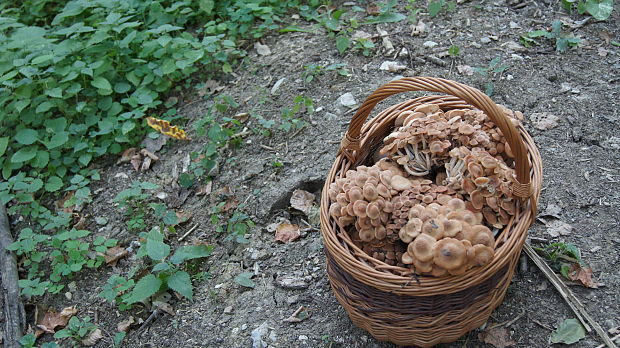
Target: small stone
column 235, row 331
column 276, row 86
column 272, row 336
column 244, row 327
column 330, row 116
column 514, row 25
column 161, row 195
column 429, row 44
column 403, row 53
column 303, row 337
column 485, row 40
column 292, row 299
column 261, row 49
column 544, row 120
column 228, row 310
column 391, row 66
column 121, row 175
column 595, row 249
column 291, row 283
column 347, row 99
column 100, row 220
column 476, row 45
column 68, row 295
column 72, row 286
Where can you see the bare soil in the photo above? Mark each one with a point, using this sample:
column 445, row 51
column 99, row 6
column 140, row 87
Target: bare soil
column 581, row 176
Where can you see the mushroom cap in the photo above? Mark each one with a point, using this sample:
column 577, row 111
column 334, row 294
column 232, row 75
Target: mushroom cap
column 481, row 234
column 449, row 253
column 360, row 178
column 415, row 211
column 411, row 230
column 434, row 228
column 422, row 248
column 367, row 234
column 359, row 208
column 335, row 210
column 428, row 213
column 400, row 183
column 380, row 232
column 373, row 211
column 383, row 191
column 406, row 259
column 456, row 204
column 438, row 271
column 460, row 270
column 370, row 192
column 477, row 199
column 451, row 227
column 480, row 255
column 422, row 266
column 341, row 198
column 355, row 194
column 466, row 129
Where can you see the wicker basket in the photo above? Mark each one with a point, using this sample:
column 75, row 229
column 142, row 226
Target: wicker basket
column 425, row 310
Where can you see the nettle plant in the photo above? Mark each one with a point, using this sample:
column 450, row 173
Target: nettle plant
column 164, row 271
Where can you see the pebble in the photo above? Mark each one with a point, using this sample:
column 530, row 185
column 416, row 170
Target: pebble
column 347, row 99
column 291, row 283
column 261, row 49
column 276, row 86
column 68, row 295
column 162, row 195
column 430, row 44
column 303, row 337
column 391, row 66
column 292, row 299
column 228, row 310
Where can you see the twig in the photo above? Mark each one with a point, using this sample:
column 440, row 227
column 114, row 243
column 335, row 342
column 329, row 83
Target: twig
column 509, row 322
column 613, row 339
column 542, row 325
column 188, row 232
column 148, row 320
column 14, row 315
column 568, row 296
column 293, row 318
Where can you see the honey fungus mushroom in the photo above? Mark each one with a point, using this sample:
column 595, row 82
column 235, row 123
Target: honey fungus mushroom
column 450, row 254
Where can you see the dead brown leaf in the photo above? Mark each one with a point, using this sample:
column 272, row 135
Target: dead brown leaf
column 231, row 203
column 145, row 152
column 127, row 155
column 302, row 200
column 287, row 233
column 146, row 164
column 183, row 216
column 582, row 275
column 210, row 87
column 556, row 228
column 606, row 35
column 60, row 204
column 242, row 117
column 92, row 338
column 205, row 189
column 164, row 306
column 81, row 223
column 53, row 320
column 114, row 254
column 136, row 161
column 373, row 10
column 498, row 337
column 124, row 325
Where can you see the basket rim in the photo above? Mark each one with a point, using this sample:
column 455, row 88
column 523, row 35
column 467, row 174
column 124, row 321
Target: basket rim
column 342, row 249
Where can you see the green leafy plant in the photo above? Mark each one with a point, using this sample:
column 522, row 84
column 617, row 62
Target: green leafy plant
column 561, row 256
column 312, row 71
column 454, row 51
column 166, row 272
column 77, row 329
column 29, row 341
column 434, row 7
column 289, row 121
column 599, row 9
column 495, row 67
column 387, row 14
column 235, row 225
column 562, row 41
column 413, row 11
column 132, row 202
column 364, row 45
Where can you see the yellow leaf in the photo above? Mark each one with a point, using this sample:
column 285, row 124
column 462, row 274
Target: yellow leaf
column 164, row 127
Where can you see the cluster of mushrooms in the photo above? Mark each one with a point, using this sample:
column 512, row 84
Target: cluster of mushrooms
column 437, row 197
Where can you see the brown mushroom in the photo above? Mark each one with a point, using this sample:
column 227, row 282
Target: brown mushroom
column 452, row 227
column 438, row 271
column 335, row 210
column 434, row 228
column 355, row 194
column 367, row 234
column 411, row 230
column 373, row 211
column 422, row 247
column 449, row 253
column 422, row 266
column 480, row 255
column 406, row 259
column 456, row 204
column 380, row 232
column 400, row 183
column 481, row 234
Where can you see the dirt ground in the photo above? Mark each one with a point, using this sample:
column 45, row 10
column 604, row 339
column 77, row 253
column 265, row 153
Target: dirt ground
column 581, row 177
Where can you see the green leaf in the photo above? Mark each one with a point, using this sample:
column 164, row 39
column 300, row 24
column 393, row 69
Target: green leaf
column 145, row 288
column 189, row 252
column 27, row 136
column 43, row 107
column 342, row 43
column 4, row 142
column 245, row 279
column 434, row 7
column 186, row 180
column 162, row 266
column 569, row 332
column 53, row 183
column 41, row 159
column 181, row 283
column 24, row 154
column 206, row 6
column 101, row 83
column 600, row 9
column 57, row 140
column 387, row 17
column 54, row 92
column 157, row 250
column 170, row 218
column 122, row 87
column 128, row 126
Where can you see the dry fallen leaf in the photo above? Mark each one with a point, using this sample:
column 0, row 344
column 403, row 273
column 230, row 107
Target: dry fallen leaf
column 136, row 161
column 556, row 228
column 146, row 164
column 113, row 254
column 53, row 320
column 92, row 338
column 583, row 275
column 154, row 145
column 418, row 28
column 164, row 306
column 302, row 200
column 465, row 70
column 205, row 189
column 261, row 49
column 60, row 204
column 544, row 120
column 164, row 127
column 127, row 155
column 373, row 9
column 145, row 152
column 497, row 337
column 287, row 233
column 124, row 325
column 183, row 216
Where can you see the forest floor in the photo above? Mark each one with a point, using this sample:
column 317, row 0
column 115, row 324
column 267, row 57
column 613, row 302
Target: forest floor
column 580, row 150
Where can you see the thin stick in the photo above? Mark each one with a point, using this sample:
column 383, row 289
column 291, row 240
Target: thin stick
column 14, row 315
column 148, row 320
column 188, row 232
column 568, row 296
column 613, row 339
column 508, row 322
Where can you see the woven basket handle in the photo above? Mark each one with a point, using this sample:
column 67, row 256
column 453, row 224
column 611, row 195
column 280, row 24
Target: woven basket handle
column 351, row 142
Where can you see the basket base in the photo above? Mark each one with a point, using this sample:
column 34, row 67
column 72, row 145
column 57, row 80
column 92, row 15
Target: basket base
column 419, row 321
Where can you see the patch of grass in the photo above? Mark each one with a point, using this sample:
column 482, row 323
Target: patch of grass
column 489, row 72
column 599, row 9
column 77, row 329
column 434, row 7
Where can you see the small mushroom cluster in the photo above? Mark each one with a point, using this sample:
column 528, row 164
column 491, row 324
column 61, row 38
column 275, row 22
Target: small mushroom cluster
column 446, row 239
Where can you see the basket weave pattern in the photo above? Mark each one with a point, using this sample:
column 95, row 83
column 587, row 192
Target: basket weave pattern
column 424, row 310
